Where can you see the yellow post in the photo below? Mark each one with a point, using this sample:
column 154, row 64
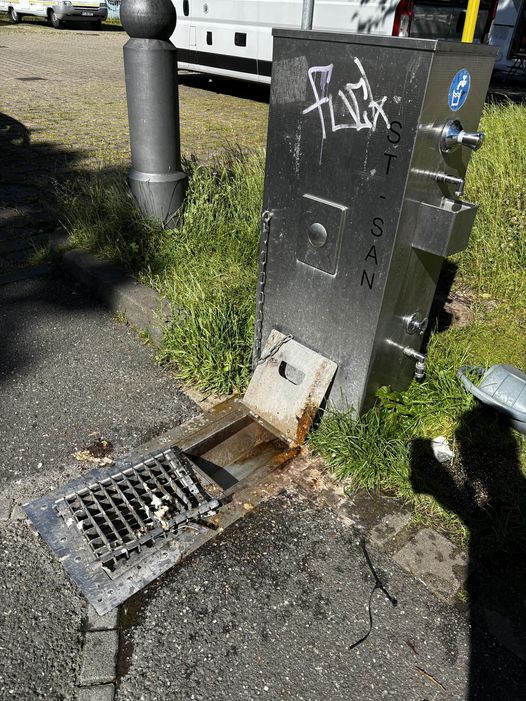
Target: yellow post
column 470, row 22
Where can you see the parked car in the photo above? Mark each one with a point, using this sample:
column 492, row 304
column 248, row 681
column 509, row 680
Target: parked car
column 57, row 13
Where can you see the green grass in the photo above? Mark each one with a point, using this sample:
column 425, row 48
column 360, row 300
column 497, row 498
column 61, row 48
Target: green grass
column 495, row 260
column 379, row 452
column 205, row 267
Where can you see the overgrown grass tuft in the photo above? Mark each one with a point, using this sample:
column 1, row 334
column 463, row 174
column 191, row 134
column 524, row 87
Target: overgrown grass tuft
column 495, row 260
column 205, row 267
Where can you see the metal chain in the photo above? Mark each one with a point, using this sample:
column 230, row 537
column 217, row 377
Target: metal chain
column 275, row 348
column 265, row 232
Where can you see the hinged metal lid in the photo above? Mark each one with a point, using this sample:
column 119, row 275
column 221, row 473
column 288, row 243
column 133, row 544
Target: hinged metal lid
column 288, row 386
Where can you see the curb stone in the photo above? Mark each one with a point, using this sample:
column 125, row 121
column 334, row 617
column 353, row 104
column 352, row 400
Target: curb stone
column 99, row 658
column 142, row 306
column 103, row 692
column 6, row 505
column 121, row 293
column 25, row 273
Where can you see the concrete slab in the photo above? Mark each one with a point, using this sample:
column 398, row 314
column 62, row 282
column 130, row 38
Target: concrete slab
column 389, row 526
column 6, row 506
column 106, row 622
column 380, row 518
column 18, row 513
column 435, row 561
column 99, row 656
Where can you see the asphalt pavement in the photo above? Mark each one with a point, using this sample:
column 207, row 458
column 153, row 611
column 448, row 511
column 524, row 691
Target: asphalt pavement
column 272, row 608
column 67, row 370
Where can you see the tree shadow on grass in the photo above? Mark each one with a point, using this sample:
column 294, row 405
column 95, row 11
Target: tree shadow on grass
column 486, row 488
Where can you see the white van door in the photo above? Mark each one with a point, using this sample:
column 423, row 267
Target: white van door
column 226, row 34
column 183, row 37
column 38, row 7
column 22, row 7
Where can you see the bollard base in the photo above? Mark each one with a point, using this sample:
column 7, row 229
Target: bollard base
column 158, row 196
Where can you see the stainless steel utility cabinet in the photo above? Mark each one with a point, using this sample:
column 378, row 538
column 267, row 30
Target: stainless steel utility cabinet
column 368, row 143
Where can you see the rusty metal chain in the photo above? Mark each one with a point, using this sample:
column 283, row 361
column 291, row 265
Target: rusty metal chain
column 265, row 232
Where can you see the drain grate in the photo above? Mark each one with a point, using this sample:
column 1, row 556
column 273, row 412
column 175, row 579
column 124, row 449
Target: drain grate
column 114, row 532
column 130, row 510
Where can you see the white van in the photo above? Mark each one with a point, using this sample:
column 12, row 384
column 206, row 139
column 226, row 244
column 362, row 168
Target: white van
column 59, row 11
column 234, row 37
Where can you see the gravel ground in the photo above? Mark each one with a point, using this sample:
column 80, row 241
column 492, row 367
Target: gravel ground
column 270, row 609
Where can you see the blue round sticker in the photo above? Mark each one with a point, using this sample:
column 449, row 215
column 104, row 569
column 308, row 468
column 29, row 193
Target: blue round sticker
column 459, row 90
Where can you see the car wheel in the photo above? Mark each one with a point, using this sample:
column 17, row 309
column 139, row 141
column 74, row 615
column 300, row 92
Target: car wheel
column 14, row 16
column 54, row 20
column 97, row 25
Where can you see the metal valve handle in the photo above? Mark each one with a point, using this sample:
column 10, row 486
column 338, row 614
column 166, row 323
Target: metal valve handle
column 454, row 134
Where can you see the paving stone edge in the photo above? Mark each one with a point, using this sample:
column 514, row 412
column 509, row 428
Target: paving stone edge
column 143, row 308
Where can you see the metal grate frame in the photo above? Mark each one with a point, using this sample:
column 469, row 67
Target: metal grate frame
column 104, row 528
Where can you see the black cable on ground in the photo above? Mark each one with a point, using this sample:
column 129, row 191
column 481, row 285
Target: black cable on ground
column 377, row 585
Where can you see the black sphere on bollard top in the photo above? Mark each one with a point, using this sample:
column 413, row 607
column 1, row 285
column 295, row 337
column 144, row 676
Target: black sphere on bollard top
column 148, row 19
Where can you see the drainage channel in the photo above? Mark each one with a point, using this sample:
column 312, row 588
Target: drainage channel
column 115, row 531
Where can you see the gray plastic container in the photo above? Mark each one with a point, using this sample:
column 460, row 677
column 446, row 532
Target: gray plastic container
column 502, row 387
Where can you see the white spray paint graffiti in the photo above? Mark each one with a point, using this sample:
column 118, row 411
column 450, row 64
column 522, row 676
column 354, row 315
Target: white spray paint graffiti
column 358, row 101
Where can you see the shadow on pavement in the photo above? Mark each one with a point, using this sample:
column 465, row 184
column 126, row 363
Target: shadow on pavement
column 27, row 218
column 27, row 170
column 486, row 488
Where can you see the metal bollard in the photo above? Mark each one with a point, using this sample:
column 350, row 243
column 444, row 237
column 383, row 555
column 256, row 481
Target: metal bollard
column 150, row 66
